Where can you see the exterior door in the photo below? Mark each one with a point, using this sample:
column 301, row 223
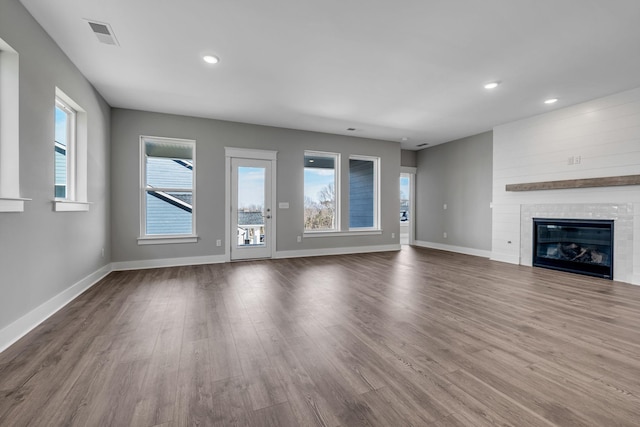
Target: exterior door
column 407, row 203
column 251, row 210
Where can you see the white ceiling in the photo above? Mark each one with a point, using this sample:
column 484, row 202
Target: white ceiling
column 390, row 69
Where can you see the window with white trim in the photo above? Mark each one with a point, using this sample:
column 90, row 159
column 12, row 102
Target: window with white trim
column 64, row 150
column 363, row 193
column 70, row 148
column 10, row 200
column 321, row 191
column 167, row 187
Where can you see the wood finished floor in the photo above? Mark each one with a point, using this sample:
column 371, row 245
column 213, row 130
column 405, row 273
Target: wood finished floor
column 419, row 337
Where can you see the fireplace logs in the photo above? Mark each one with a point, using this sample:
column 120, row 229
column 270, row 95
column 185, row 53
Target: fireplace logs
column 575, row 252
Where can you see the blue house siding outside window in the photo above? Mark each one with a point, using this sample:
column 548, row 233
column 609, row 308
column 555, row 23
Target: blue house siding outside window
column 362, row 193
column 165, row 213
column 168, row 187
column 61, row 172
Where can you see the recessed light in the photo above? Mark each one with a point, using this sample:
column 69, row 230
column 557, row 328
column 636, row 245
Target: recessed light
column 491, row 85
column 210, row 59
column 551, row 101
column 404, row 138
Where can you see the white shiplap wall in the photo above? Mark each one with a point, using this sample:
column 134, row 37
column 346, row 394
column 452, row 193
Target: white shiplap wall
column 604, row 133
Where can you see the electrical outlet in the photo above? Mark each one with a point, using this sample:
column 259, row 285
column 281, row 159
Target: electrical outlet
column 444, row 234
column 218, row 242
column 299, row 239
column 444, row 206
column 393, row 235
column 102, row 252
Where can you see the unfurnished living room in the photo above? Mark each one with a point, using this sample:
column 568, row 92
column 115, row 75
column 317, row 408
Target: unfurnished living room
column 328, row 213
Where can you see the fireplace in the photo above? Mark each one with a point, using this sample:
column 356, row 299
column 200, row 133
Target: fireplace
column 577, row 246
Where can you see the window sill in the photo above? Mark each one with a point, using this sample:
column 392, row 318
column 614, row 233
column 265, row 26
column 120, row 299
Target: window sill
column 164, row 240
column 12, row 205
column 70, row 206
column 313, row 234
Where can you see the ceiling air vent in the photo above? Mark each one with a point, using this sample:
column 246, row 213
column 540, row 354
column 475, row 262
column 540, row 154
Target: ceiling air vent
column 422, row 145
column 103, row 32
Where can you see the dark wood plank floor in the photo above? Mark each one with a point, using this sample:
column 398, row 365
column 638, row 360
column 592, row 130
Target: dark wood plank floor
column 418, row 337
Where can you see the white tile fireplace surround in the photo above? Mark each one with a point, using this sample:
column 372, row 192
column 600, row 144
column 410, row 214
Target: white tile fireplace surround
column 598, row 139
column 620, row 213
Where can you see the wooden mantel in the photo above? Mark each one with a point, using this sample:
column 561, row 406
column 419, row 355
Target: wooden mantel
column 609, row 181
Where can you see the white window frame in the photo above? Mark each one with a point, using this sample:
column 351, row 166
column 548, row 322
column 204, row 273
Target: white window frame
column 70, row 155
column 77, row 175
column 10, row 200
column 337, row 186
column 376, row 192
column 157, row 239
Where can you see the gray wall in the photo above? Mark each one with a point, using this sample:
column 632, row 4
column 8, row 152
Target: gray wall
column 459, row 174
column 409, row 158
column 42, row 252
column 212, row 136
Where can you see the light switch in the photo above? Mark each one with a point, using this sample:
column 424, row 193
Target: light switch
column 283, row 205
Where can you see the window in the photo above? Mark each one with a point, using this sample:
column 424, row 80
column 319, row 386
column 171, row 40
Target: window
column 167, row 189
column 69, row 155
column 10, row 200
column 321, row 191
column 64, row 146
column 363, row 192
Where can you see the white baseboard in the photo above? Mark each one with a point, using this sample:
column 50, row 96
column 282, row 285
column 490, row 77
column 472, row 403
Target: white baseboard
column 19, row 328
column 167, row 262
column 336, row 251
column 508, row 258
column 22, row 326
column 451, row 248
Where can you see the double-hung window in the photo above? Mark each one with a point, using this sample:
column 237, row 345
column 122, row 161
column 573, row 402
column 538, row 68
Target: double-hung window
column 321, row 191
column 167, row 190
column 363, row 193
column 70, row 148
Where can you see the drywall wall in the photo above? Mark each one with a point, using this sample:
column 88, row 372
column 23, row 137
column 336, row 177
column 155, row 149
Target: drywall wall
column 408, row 158
column 44, row 253
column 456, row 174
column 598, row 138
column 212, row 136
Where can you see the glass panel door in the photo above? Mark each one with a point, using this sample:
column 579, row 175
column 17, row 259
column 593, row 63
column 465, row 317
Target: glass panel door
column 251, row 209
column 406, row 226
